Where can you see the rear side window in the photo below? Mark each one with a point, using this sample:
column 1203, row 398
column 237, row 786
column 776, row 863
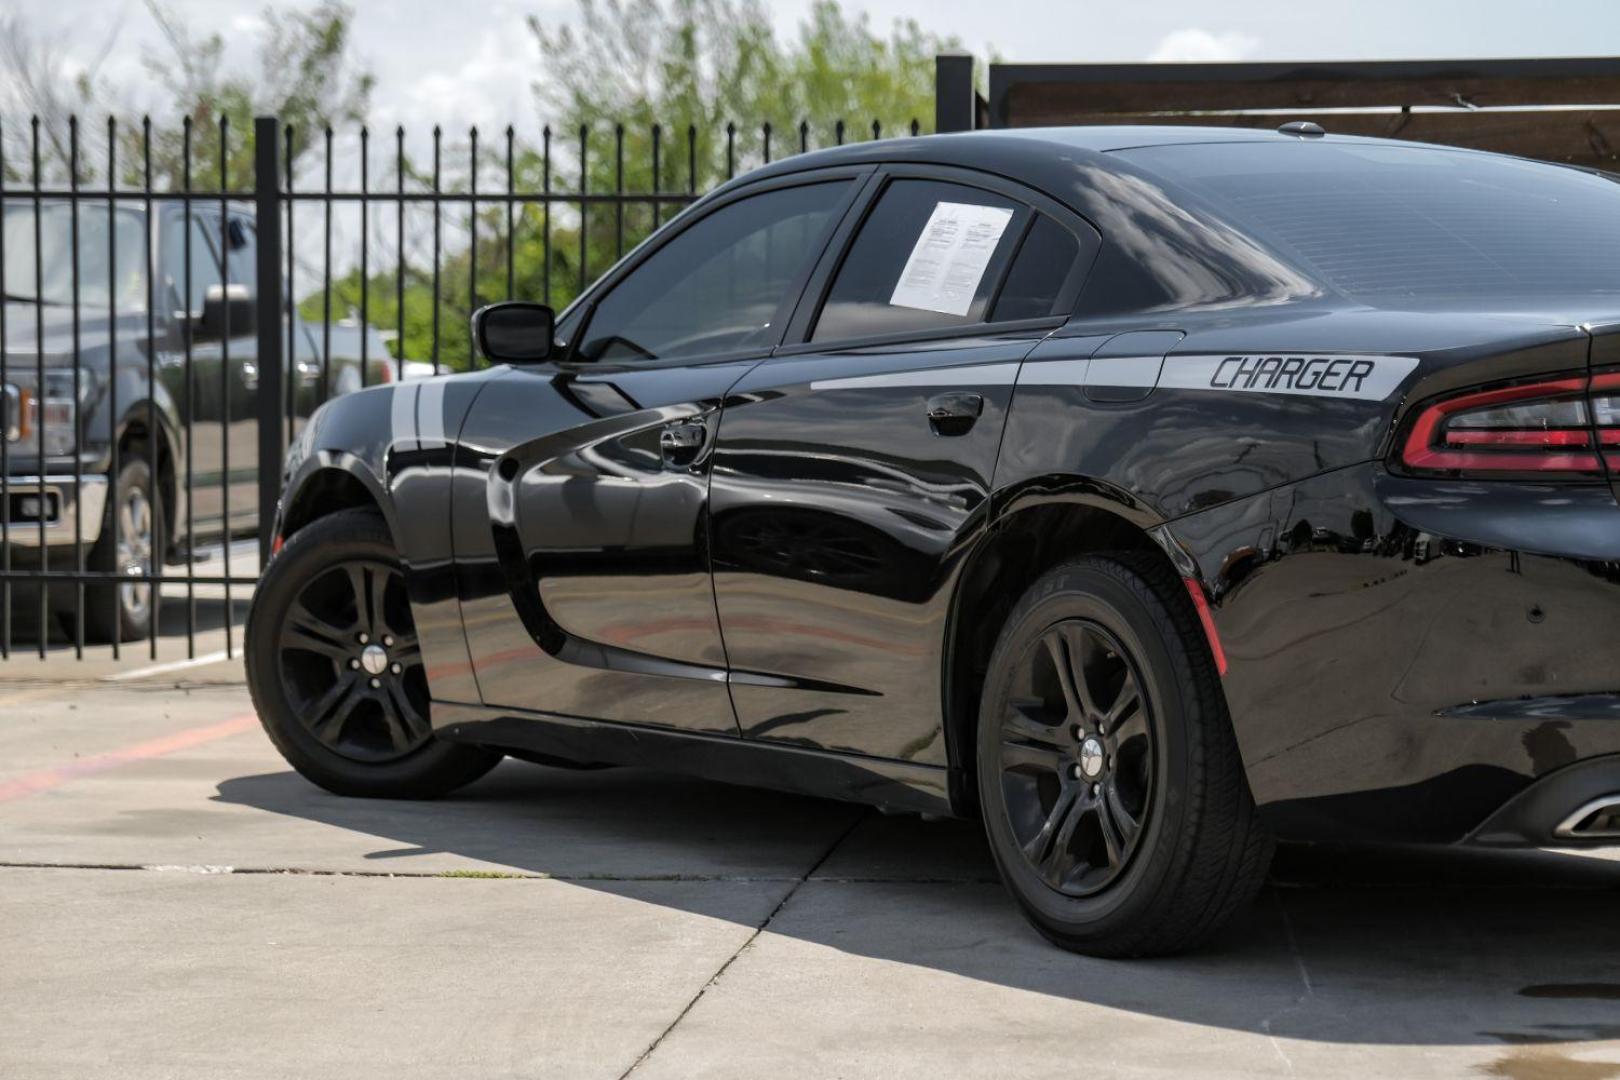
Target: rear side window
column 720, row 285
column 1040, row 276
column 929, row 256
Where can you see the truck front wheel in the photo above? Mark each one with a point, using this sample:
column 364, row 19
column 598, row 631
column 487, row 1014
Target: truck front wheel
column 130, row 544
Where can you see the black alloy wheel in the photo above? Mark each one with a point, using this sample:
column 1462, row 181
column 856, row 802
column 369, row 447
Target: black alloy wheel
column 1113, row 795
column 1077, row 756
column 336, row 668
column 350, row 663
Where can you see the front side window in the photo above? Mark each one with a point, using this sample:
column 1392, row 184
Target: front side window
column 719, row 286
column 204, row 267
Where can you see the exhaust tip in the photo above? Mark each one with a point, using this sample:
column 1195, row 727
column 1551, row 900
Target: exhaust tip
column 1598, row 819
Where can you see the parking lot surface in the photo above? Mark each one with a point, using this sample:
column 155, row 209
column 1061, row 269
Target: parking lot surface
column 174, row 902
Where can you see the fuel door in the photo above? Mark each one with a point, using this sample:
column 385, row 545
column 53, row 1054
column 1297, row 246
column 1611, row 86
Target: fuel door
column 1126, row 366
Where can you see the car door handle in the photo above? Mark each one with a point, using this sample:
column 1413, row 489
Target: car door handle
column 954, row 413
column 682, row 442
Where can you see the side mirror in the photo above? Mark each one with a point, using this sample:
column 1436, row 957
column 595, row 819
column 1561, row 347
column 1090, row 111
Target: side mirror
column 514, row 332
column 227, row 301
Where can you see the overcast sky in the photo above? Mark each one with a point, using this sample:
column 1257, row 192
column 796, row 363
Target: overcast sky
column 473, row 62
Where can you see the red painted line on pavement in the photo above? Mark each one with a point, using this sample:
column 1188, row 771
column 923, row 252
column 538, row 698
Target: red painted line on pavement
column 46, row 779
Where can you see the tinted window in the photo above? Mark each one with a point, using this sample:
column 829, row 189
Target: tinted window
column 718, row 286
column 204, row 268
column 1039, row 272
column 1392, row 223
column 867, row 296
column 242, row 256
column 55, row 255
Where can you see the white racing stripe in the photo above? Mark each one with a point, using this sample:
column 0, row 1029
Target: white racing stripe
column 1097, row 371
column 1054, row 373
column 970, row 375
column 402, row 414
column 430, row 414
column 1360, row 377
column 416, row 415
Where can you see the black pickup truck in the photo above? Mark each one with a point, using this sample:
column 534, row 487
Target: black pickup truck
column 173, row 388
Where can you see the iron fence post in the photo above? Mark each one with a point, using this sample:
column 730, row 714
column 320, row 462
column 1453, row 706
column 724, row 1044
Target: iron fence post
column 271, row 309
column 954, row 104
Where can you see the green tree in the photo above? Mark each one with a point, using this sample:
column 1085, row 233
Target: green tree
column 710, row 83
column 303, row 74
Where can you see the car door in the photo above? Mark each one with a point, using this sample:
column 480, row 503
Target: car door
column 586, row 584
column 852, row 470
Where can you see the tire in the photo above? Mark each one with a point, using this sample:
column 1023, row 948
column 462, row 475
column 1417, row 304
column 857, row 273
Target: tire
column 335, row 670
column 132, row 538
column 1138, row 841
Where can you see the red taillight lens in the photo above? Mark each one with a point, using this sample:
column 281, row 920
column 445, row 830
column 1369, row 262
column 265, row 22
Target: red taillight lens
column 1533, row 427
column 1605, row 404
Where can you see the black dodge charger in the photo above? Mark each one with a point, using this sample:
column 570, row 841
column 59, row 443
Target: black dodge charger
column 1146, row 492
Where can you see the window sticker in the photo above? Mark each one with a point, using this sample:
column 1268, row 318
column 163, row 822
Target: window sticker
column 950, row 257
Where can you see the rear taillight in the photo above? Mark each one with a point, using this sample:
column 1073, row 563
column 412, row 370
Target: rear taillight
column 1541, row 427
column 1604, row 401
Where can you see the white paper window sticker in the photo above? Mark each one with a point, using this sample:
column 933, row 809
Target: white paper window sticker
column 950, row 257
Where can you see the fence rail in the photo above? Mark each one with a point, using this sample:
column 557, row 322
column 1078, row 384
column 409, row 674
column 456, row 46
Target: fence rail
column 176, row 309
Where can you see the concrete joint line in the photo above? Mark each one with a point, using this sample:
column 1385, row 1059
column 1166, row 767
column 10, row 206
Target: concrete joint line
column 744, row 947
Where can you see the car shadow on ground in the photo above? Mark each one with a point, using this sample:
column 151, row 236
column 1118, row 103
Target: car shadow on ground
column 1515, row 950
column 177, row 616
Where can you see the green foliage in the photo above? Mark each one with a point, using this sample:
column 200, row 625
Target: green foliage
column 302, row 72
column 696, row 83
column 303, row 75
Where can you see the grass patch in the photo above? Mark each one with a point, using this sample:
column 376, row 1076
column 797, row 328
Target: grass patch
column 479, row 874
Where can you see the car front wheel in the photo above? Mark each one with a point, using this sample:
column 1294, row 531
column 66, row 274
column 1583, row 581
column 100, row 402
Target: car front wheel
column 1113, row 795
column 335, row 667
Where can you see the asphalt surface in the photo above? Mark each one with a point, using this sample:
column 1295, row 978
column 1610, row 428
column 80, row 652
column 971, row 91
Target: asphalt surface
column 174, row 902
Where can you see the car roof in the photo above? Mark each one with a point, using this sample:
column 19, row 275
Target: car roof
column 1046, row 155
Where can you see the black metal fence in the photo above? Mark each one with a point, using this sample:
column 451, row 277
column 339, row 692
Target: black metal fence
column 160, row 342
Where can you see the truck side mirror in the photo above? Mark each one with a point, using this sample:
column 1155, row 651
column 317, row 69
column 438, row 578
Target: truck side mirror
column 233, row 300
column 514, row 332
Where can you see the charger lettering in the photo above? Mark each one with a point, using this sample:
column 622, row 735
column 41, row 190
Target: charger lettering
column 1326, row 374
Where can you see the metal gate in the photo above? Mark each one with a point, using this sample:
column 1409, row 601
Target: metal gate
column 161, row 344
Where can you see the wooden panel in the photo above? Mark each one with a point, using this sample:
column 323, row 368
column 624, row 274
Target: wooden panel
column 1577, row 137
column 1025, row 94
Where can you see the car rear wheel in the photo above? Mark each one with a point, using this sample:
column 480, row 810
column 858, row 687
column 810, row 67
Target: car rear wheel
column 1113, row 795
column 335, row 667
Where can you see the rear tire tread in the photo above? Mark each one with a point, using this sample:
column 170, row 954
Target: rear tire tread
column 1223, row 850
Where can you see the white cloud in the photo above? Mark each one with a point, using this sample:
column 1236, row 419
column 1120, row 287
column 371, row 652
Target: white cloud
column 1197, row 44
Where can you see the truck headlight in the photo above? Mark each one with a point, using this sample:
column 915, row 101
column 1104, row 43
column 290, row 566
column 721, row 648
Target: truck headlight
column 48, row 419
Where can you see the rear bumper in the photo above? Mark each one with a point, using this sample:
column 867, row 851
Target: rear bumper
column 1577, row 805
column 1408, row 660
column 67, row 508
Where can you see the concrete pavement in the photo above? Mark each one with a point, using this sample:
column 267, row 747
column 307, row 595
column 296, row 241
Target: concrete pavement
column 174, row 902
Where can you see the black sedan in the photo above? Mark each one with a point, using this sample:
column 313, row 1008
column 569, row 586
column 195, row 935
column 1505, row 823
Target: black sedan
column 1146, row 492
